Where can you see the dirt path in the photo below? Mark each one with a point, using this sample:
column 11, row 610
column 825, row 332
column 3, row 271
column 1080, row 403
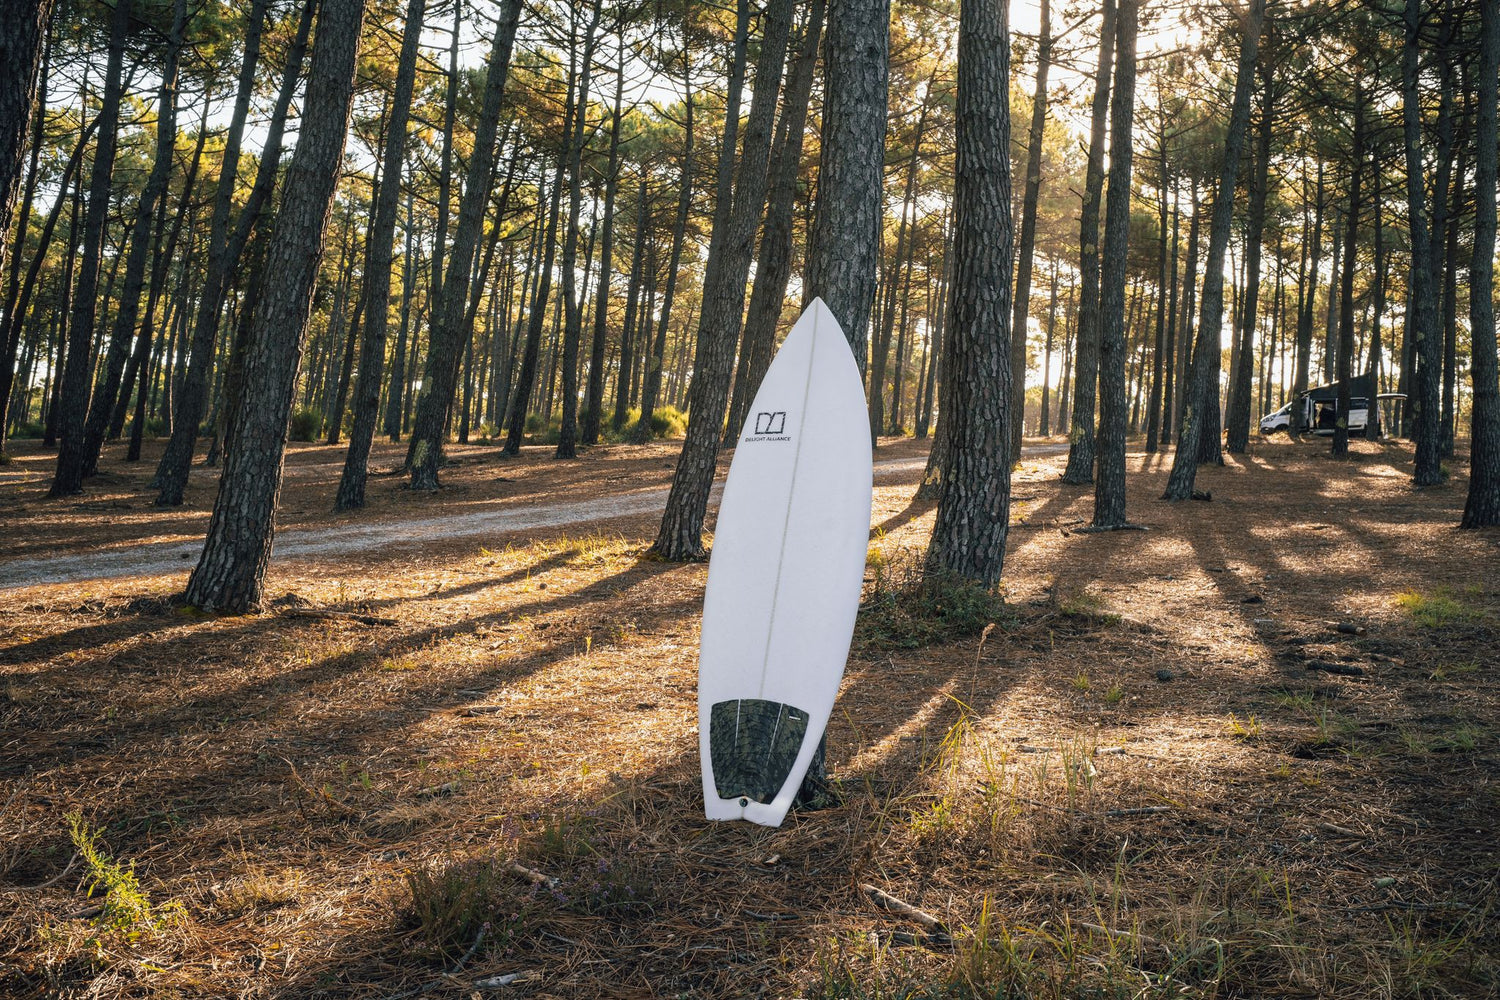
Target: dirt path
column 155, row 558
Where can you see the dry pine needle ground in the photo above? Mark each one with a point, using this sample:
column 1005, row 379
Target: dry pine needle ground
column 1165, row 772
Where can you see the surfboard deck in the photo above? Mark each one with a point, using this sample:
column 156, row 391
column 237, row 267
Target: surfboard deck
column 784, row 576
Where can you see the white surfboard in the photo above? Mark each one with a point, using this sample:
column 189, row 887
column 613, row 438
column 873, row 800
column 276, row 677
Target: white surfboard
column 784, row 578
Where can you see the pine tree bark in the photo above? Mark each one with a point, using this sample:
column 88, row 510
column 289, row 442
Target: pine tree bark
column 231, row 571
column 1080, row 467
column 1303, row 349
column 1238, row 437
column 1206, row 348
column 1345, row 358
column 626, row 374
column 73, row 399
column 23, row 29
column 1161, row 351
column 1482, row 505
column 844, row 243
column 773, row 263
column 162, row 254
column 102, row 406
column 396, row 393
column 567, row 443
column 1422, row 314
column 593, row 408
column 18, row 298
column 536, row 319
column 899, row 263
column 351, row 491
column 449, row 330
column 973, row 516
column 225, row 248
column 1109, row 484
column 1026, row 250
column 724, row 286
column 655, row 350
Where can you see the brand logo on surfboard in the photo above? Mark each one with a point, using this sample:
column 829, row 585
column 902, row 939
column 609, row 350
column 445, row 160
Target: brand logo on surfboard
column 769, row 426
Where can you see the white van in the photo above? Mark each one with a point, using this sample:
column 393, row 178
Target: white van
column 1317, row 412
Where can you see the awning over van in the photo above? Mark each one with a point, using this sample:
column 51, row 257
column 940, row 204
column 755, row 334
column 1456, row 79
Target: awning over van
column 1361, row 386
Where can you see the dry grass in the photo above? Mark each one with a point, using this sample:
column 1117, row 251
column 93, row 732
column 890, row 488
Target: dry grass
column 505, row 783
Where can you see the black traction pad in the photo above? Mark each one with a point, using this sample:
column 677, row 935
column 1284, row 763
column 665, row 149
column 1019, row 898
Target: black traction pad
column 753, row 744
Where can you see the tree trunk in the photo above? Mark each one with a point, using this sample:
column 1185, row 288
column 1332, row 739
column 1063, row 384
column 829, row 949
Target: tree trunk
column 18, row 299
column 651, row 376
column 844, row 243
column 724, row 281
column 1044, row 425
column 594, row 398
column 1206, row 349
column 1188, row 316
column 23, row 29
column 1482, row 507
column 351, row 491
column 773, row 265
column 1080, row 468
column 536, row 319
column 162, row 256
column 626, row 375
column 1422, row 325
column 445, row 172
column 1447, row 265
column 73, row 400
column 1161, row 351
column 172, row 473
column 127, row 312
column 449, row 331
column 1303, row 349
column 231, row 571
column 973, row 516
column 397, row 390
column 1238, row 439
column 887, row 312
column 1344, row 361
column 567, row 445
column 1109, row 485
column 1022, row 302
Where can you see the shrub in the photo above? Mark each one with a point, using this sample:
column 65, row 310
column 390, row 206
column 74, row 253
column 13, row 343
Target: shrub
column 127, row 908
column 905, row 608
column 30, row 429
column 452, row 900
column 666, row 422
column 306, row 423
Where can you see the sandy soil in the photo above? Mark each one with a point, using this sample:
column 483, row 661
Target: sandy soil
column 475, row 507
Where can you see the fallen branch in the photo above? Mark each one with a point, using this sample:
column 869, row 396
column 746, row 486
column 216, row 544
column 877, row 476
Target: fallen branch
column 342, row 616
column 1139, row 811
column 1342, row 831
column 886, row 901
column 432, row 791
column 50, row 882
column 533, row 875
column 1095, row 529
column 497, row 982
column 1330, row 667
column 484, row 929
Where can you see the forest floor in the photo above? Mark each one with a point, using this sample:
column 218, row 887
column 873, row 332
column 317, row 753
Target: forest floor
column 1251, row 751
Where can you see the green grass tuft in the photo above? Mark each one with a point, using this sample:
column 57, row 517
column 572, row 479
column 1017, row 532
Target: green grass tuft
column 1440, row 608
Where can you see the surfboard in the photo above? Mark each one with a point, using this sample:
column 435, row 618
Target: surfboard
column 784, row 575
